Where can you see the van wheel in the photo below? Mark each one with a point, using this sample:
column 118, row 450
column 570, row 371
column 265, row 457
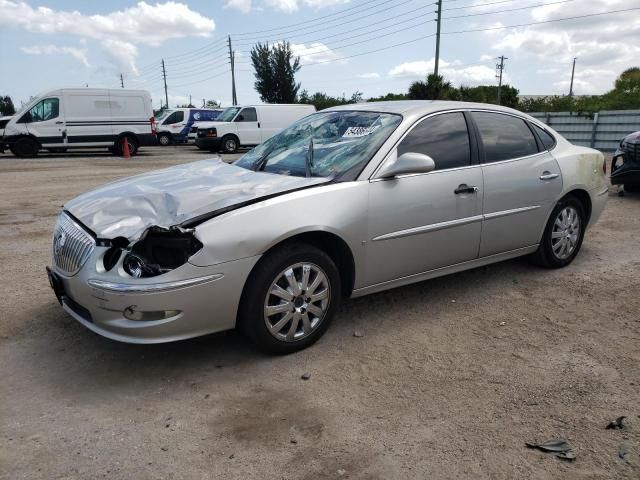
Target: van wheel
column 133, row 146
column 164, row 139
column 229, row 144
column 25, row 147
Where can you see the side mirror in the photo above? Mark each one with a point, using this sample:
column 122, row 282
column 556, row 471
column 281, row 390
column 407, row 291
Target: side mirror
column 408, row 163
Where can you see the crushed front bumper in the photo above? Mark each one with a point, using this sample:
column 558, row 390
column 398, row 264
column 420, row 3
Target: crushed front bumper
column 187, row 302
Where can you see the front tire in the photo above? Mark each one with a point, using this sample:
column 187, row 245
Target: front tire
column 229, row 144
column 164, row 140
column 563, row 235
column 25, row 147
column 290, row 299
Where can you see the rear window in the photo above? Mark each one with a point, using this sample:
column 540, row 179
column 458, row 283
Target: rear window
column 545, row 137
column 504, row 137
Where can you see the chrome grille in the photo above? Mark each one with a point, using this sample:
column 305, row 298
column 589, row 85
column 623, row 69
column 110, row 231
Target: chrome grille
column 71, row 245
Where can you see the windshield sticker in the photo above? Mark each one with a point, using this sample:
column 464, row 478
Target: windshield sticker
column 352, row 132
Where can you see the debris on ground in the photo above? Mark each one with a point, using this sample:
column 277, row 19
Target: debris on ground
column 616, row 424
column 358, row 333
column 306, row 376
column 558, row 446
column 502, row 324
column 623, row 450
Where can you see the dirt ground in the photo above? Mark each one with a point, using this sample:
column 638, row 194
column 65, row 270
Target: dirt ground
column 450, row 379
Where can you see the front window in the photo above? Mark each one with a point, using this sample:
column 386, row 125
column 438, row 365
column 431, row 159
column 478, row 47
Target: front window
column 247, row 115
column 175, row 117
column 323, row 144
column 162, row 115
column 44, row 110
column 228, row 114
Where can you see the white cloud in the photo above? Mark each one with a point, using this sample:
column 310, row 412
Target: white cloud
column 242, row 5
column 369, row 75
column 604, row 45
column 454, row 72
column 315, row 52
column 77, row 53
column 123, row 54
column 141, row 24
column 290, row 6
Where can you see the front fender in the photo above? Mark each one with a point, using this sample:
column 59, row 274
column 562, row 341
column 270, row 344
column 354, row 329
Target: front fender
column 339, row 208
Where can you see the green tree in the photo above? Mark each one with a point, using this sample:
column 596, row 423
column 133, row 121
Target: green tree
column 212, row 104
column 6, row 106
column 275, row 68
column 321, row 100
column 389, row 97
column 489, row 94
column 435, row 88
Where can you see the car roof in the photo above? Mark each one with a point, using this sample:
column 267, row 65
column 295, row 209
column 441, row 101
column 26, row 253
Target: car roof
column 420, row 107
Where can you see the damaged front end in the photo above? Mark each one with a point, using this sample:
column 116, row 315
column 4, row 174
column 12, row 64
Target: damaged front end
column 625, row 165
column 159, row 250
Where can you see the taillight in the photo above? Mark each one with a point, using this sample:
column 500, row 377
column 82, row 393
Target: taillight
column 152, row 120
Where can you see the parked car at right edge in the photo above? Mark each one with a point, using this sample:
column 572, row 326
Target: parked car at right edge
column 248, row 126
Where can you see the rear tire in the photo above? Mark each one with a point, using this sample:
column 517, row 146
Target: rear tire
column 164, row 140
column 25, row 147
column 229, row 144
column 301, row 311
column 563, row 235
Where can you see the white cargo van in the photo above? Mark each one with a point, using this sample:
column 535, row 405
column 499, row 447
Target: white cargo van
column 79, row 118
column 248, row 126
column 3, row 122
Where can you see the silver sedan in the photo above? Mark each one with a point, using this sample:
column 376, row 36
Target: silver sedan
column 346, row 202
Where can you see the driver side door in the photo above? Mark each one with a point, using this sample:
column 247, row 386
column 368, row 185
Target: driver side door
column 422, row 222
column 248, row 127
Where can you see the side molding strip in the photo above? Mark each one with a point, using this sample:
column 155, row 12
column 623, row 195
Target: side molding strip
column 452, row 223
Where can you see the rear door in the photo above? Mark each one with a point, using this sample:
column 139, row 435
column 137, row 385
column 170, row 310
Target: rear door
column 45, row 121
column 521, row 181
column 248, row 127
column 422, row 222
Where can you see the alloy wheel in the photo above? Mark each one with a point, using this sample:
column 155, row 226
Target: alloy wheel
column 565, row 233
column 297, row 302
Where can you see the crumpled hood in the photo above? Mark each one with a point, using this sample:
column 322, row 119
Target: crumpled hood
column 164, row 198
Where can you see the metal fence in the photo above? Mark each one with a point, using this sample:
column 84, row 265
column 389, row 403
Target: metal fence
column 602, row 132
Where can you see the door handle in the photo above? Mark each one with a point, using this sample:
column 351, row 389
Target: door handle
column 59, row 122
column 258, row 124
column 464, row 188
column 546, row 175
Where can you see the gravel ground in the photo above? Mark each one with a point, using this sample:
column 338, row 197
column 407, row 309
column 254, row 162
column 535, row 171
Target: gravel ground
column 449, row 380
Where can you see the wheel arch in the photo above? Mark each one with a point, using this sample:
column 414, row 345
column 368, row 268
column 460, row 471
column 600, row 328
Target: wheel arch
column 583, row 196
column 333, row 245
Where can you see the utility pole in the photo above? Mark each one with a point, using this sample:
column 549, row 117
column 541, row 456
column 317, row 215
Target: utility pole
column 232, row 58
column 499, row 69
column 121, row 81
column 573, row 71
column 439, row 12
column 164, row 77
column 190, row 100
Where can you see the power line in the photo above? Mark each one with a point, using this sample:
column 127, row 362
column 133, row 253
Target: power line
column 200, row 81
column 507, row 10
column 315, row 20
column 287, row 32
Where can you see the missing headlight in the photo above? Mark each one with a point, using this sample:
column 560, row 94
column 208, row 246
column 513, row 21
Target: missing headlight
column 159, row 251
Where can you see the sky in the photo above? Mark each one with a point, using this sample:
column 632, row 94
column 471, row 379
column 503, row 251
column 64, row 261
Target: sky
column 371, row 46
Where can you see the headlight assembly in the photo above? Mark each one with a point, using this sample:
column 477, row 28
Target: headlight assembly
column 159, row 251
